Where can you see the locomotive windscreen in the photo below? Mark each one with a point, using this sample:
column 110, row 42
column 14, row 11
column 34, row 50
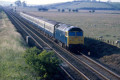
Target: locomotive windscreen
column 79, row 33
column 71, row 33
column 75, row 33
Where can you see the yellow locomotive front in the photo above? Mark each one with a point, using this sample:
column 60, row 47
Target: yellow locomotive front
column 75, row 38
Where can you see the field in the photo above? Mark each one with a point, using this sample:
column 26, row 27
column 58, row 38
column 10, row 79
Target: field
column 106, row 23
column 12, row 48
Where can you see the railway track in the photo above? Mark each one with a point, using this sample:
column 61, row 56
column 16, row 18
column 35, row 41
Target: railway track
column 95, row 71
column 42, row 46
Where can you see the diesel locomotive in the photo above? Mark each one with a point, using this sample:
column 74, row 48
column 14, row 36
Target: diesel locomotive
column 67, row 36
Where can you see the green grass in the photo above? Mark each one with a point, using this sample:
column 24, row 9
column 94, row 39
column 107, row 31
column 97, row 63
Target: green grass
column 12, row 47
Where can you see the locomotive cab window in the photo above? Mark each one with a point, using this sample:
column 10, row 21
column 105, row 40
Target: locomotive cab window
column 79, row 34
column 71, row 33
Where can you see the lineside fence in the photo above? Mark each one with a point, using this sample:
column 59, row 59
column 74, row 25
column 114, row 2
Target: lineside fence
column 106, row 41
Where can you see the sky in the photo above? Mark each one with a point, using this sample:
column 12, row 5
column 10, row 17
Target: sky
column 49, row 1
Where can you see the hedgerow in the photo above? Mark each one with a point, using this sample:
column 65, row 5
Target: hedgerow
column 45, row 64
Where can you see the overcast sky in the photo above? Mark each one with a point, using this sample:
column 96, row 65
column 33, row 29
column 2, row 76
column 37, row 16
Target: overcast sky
column 49, row 1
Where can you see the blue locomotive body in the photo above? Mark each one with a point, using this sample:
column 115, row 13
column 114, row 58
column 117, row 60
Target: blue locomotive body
column 60, row 35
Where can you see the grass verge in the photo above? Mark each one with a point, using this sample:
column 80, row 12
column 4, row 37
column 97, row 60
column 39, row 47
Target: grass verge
column 12, row 47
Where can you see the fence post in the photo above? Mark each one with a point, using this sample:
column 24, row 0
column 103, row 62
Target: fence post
column 118, row 45
column 27, row 39
column 113, row 43
column 108, row 41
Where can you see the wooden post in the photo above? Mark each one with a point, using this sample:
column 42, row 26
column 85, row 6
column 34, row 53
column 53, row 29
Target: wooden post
column 107, row 41
column 112, row 42
column 118, row 45
column 115, row 44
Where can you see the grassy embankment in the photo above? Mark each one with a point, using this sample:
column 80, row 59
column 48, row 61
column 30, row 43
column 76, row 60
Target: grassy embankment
column 19, row 63
column 12, row 47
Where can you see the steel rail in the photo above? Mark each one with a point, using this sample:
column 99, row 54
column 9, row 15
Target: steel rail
column 103, row 67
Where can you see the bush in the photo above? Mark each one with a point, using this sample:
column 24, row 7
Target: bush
column 42, row 9
column 63, row 10
column 45, row 64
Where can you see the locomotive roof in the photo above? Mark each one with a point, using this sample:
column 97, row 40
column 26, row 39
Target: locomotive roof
column 67, row 27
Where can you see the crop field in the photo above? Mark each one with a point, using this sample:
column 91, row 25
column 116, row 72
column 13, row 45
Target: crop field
column 105, row 24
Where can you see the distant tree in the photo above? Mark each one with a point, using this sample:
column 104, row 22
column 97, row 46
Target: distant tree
column 11, row 5
column 58, row 10
column 75, row 10
column 92, row 11
column 69, row 10
column 42, row 9
column 24, row 4
column 18, row 3
column 63, row 10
